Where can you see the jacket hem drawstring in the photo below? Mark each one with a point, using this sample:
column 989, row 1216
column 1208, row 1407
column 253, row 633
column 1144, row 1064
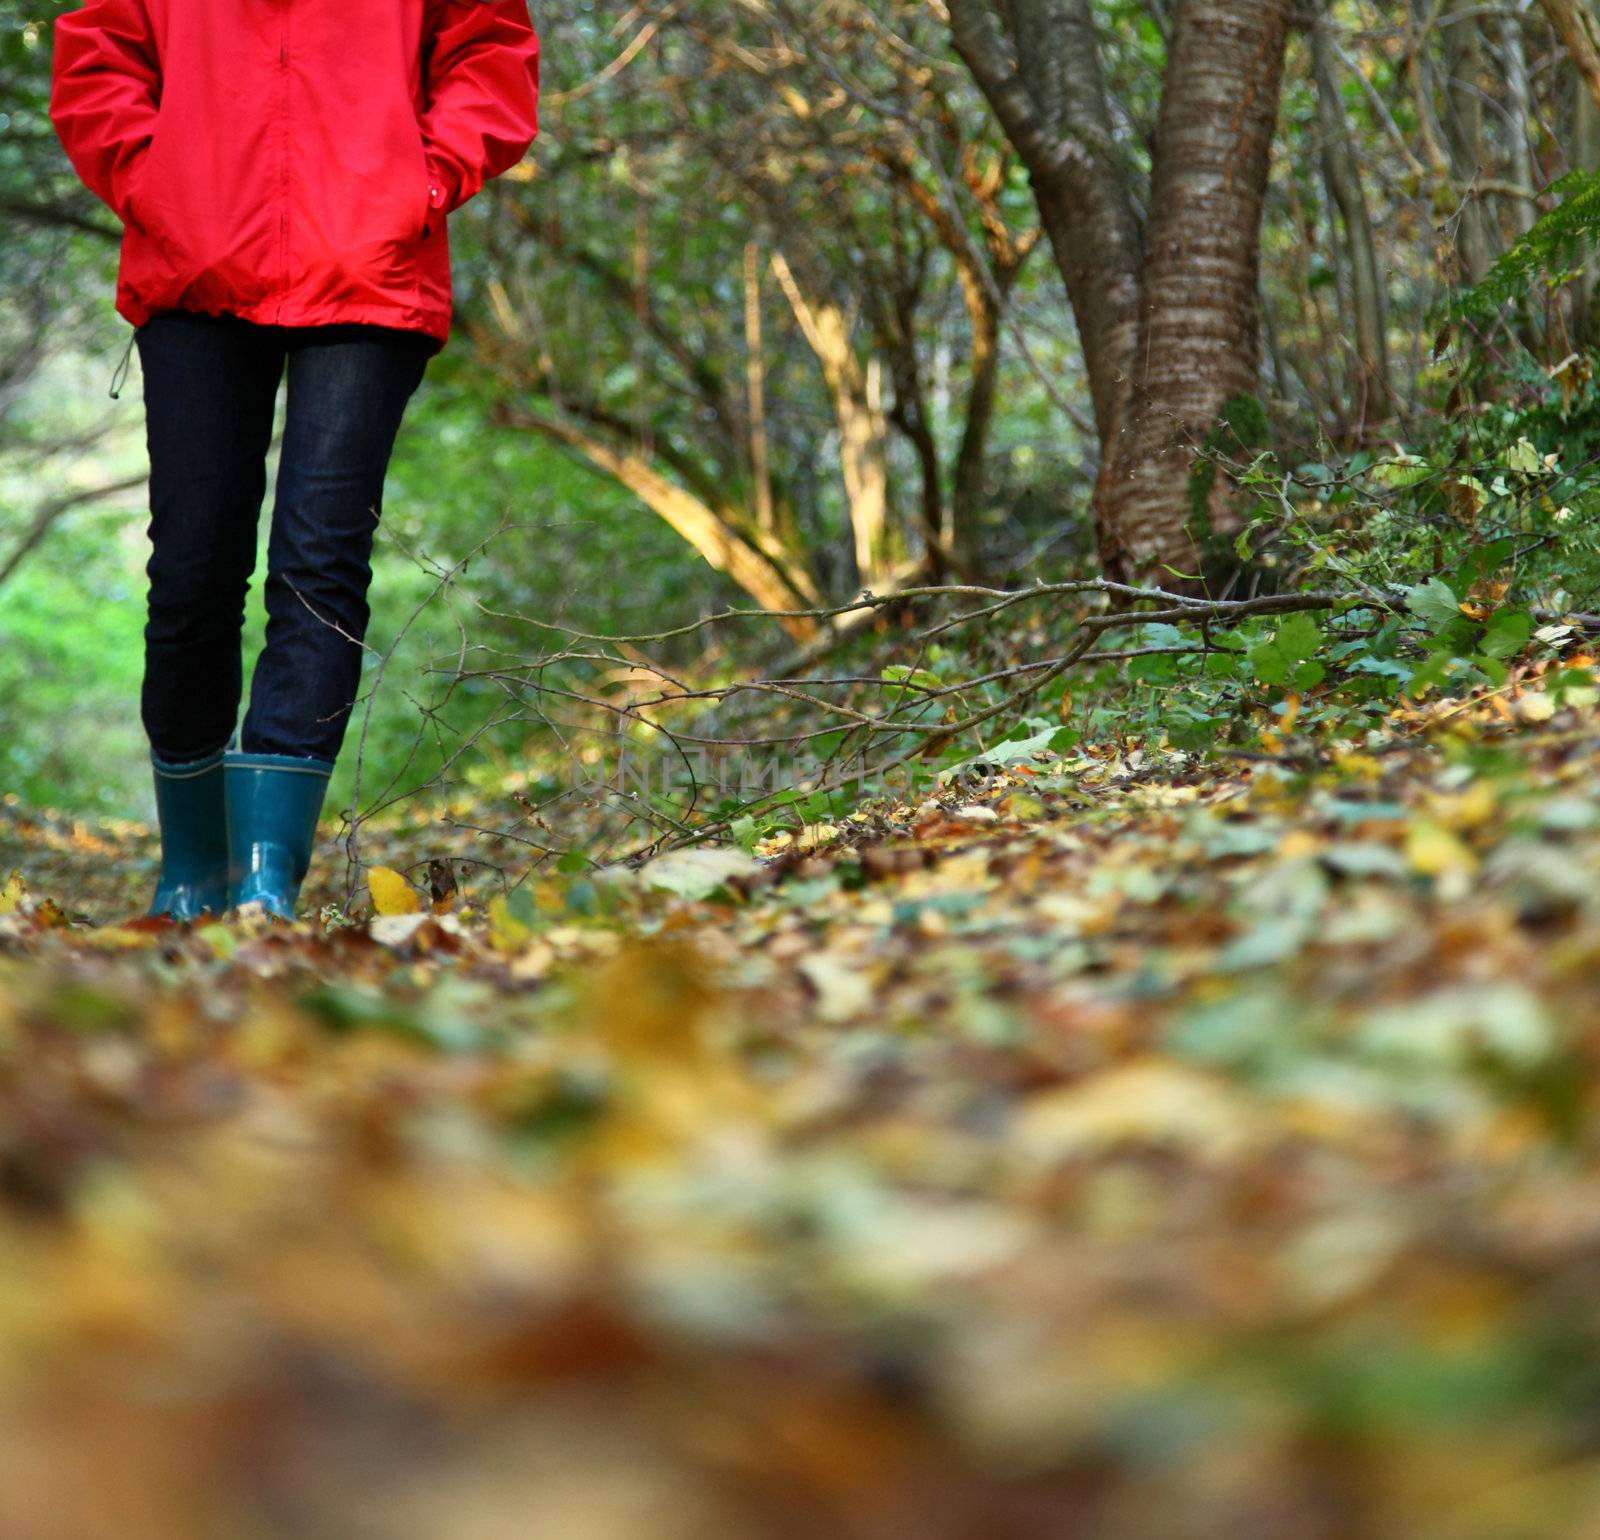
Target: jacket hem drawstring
column 120, row 374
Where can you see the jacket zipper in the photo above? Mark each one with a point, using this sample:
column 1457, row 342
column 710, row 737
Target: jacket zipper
column 283, row 153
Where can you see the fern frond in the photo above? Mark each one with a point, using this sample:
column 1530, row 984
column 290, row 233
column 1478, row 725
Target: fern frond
column 1556, row 243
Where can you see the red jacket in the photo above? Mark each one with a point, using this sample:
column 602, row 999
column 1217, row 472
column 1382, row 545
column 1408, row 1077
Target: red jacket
column 292, row 161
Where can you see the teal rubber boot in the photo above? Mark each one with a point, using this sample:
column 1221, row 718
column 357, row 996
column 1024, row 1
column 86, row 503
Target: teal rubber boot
column 273, row 803
column 190, row 808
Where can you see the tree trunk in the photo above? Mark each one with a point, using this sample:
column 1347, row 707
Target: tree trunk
column 1167, row 316
column 863, row 424
column 1586, row 157
column 756, row 391
column 1579, row 32
column 1067, row 142
column 1469, row 160
column 1343, row 177
column 967, row 500
column 1197, row 351
column 986, row 276
column 772, row 581
column 1520, row 111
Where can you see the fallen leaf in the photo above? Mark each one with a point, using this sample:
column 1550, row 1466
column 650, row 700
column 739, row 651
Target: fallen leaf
column 391, row 893
column 697, row 872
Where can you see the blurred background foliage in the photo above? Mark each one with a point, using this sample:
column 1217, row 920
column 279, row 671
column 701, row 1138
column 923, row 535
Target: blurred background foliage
column 778, row 280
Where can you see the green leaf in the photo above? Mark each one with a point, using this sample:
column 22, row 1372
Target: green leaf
column 1431, row 672
column 1480, row 562
column 1162, row 635
column 1153, row 670
column 1507, row 634
column 1014, row 751
column 1435, row 602
column 900, row 673
column 1268, row 663
column 1283, row 660
column 1401, row 471
column 1299, row 636
column 1522, row 456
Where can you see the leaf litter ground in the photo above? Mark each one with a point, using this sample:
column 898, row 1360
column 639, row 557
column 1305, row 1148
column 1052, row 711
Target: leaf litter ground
column 1123, row 1146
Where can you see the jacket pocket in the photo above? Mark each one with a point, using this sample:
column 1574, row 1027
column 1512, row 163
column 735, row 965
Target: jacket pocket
column 150, row 190
column 132, row 201
column 188, row 213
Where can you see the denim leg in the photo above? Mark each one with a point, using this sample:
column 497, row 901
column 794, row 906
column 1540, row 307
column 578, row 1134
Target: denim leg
column 209, row 387
column 348, row 389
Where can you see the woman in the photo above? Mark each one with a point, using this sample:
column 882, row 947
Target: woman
column 282, row 170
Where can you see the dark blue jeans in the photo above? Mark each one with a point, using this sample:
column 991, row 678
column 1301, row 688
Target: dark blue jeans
column 210, row 385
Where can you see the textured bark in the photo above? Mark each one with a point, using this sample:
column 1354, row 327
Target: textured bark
column 1067, row 142
column 1579, row 31
column 1198, row 342
column 1167, row 316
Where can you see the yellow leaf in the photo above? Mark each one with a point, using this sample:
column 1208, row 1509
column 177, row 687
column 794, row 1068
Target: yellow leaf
column 391, row 893
column 842, row 991
column 1362, row 767
column 815, row 834
column 1469, row 809
column 119, row 938
column 1147, row 1101
column 1434, row 851
column 1300, row 843
column 13, row 893
column 650, row 1002
column 506, row 931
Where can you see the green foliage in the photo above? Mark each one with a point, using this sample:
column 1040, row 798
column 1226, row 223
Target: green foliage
column 1555, row 244
column 69, row 680
column 1288, row 657
column 1447, row 543
column 575, row 552
column 1243, row 428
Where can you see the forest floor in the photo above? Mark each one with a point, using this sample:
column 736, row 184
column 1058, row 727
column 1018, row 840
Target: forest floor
column 1131, row 1146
